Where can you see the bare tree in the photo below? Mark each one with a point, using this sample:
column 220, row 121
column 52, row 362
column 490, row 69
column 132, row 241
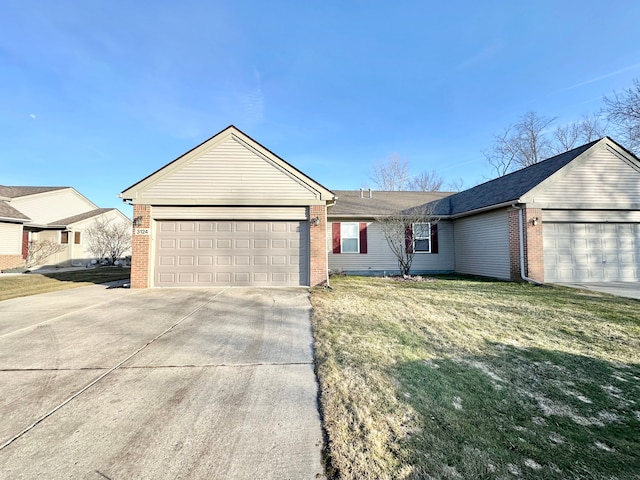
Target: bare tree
column 623, row 111
column 502, row 156
column 408, row 231
column 39, row 250
column 391, row 174
column 455, row 185
column 108, row 238
column 426, row 182
column 532, row 144
column 585, row 130
column 521, row 144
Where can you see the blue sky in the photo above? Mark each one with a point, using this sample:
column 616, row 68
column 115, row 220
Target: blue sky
column 98, row 94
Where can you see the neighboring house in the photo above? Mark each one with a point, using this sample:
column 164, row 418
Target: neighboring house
column 59, row 214
column 231, row 212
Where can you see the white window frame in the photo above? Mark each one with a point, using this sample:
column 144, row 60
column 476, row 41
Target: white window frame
column 421, row 237
column 344, row 237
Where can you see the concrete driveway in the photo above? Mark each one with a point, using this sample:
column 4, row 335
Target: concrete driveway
column 150, row 384
column 620, row 289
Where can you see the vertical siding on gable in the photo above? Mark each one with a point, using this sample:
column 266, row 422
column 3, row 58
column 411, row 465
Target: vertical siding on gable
column 10, row 239
column 604, row 179
column 379, row 258
column 482, row 245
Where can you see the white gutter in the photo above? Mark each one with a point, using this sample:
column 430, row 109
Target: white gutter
column 521, row 229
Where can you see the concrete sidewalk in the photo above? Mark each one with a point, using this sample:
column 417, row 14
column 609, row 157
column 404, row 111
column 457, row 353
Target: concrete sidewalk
column 620, row 289
column 174, row 383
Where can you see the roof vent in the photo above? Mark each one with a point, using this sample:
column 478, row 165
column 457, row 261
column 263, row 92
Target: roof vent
column 370, row 194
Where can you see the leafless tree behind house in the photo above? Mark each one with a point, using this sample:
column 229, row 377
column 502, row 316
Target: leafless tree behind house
column 391, row 174
column 623, row 111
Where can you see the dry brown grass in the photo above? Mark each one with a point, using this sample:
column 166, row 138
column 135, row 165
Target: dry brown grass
column 464, row 378
column 12, row 286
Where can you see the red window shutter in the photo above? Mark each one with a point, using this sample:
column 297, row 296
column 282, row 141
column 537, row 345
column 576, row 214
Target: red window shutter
column 363, row 238
column 335, row 235
column 25, row 244
column 434, row 238
column 408, row 238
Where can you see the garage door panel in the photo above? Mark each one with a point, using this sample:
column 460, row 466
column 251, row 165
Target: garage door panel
column 591, row 252
column 204, row 253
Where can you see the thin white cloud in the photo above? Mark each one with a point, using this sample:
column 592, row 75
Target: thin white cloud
column 253, row 101
column 602, row 77
column 32, row 115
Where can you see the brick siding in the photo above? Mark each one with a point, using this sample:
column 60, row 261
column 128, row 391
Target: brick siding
column 533, row 248
column 318, row 245
column 11, row 261
column 141, row 249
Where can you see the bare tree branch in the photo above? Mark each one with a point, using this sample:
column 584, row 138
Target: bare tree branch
column 623, row 111
column 39, row 250
column 391, row 174
column 585, row 130
column 398, row 230
column 426, row 182
column 108, row 238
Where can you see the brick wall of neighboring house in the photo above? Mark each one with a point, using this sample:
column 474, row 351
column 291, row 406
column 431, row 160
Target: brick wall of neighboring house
column 141, row 248
column 318, row 245
column 533, row 248
column 11, row 261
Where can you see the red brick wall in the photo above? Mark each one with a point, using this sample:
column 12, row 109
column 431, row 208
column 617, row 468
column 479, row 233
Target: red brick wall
column 11, row 261
column 533, row 251
column 141, row 248
column 318, row 245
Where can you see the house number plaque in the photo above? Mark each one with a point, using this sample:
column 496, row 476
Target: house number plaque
column 142, row 231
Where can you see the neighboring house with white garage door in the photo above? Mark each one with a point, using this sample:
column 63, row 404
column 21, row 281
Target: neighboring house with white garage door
column 230, row 212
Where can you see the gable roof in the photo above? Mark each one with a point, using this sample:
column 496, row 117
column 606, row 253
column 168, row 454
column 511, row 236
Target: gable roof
column 81, row 216
column 366, row 203
column 15, row 192
column 7, row 212
column 190, row 175
column 511, row 187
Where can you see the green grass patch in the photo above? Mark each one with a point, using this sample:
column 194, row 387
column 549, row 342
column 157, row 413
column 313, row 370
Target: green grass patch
column 12, row 286
column 464, row 378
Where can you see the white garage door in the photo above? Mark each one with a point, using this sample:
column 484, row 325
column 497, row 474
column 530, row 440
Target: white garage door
column 591, row 252
column 244, row 253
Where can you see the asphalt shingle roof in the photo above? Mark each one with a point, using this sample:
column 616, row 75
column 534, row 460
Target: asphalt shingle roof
column 81, row 216
column 7, row 211
column 354, row 203
column 508, row 188
column 14, row 192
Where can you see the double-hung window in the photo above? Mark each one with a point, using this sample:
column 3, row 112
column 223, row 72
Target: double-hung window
column 422, row 237
column 349, row 238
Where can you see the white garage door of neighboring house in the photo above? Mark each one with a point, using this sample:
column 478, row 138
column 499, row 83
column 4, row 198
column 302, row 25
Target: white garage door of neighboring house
column 591, row 252
column 244, row 253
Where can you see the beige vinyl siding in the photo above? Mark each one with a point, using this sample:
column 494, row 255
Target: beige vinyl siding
column 379, row 258
column 10, row 239
column 48, row 207
column 227, row 171
column 621, row 216
column 482, row 245
column 605, row 181
column 230, row 213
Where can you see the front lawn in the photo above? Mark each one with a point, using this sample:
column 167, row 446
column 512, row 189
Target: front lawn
column 468, row 379
column 12, row 286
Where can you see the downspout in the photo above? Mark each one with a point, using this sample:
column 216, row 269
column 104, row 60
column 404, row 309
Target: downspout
column 521, row 230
